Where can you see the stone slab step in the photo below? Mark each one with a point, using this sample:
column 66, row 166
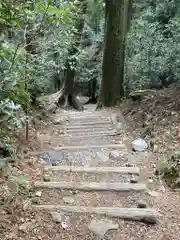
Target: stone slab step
column 93, row 186
column 122, row 170
column 146, row 215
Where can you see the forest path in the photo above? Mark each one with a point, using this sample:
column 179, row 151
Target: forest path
column 92, row 181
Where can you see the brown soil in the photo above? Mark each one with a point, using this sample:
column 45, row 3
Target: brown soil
column 155, row 118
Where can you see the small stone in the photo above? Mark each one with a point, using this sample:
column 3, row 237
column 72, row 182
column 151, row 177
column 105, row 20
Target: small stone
column 156, row 172
column 115, row 155
column 25, row 227
column 150, row 180
column 38, row 194
column 42, row 162
column 133, row 180
column 100, row 227
column 35, row 200
column 103, row 157
column 113, row 118
column 68, row 200
column 58, row 120
column 141, row 204
column 52, row 156
column 119, row 127
column 153, row 193
column 46, row 178
column 139, row 145
column 64, row 225
column 3, row 162
column 129, row 165
column 60, row 217
column 22, row 220
column 57, row 217
column 54, row 163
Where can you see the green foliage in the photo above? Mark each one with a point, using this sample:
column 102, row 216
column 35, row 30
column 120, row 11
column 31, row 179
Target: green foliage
column 8, row 147
column 152, row 53
column 30, row 35
column 35, row 38
column 169, row 170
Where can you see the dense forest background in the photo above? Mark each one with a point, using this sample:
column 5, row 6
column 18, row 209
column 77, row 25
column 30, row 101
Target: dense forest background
column 37, row 39
column 57, row 56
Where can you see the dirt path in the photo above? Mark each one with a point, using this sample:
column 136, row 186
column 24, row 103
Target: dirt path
column 92, row 181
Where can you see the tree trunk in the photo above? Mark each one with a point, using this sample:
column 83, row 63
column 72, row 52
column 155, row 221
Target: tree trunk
column 117, row 21
column 68, row 97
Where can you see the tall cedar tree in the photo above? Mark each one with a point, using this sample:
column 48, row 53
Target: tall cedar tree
column 67, row 97
column 117, row 21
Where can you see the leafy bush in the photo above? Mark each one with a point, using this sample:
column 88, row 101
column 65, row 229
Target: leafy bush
column 151, row 49
column 169, row 170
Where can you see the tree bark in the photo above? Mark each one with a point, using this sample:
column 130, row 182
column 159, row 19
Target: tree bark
column 68, row 97
column 117, row 21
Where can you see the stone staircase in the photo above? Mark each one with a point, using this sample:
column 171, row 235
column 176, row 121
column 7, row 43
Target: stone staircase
column 88, row 170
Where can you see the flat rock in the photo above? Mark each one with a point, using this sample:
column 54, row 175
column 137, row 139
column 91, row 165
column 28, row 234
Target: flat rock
column 59, row 120
column 3, row 162
column 25, row 226
column 81, row 157
column 113, row 118
column 115, row 155
column 142, row 204
column 134, row 179
column 68, row 200
column 102, row 156
column 130, row 165
column 119, row 127
column 57, row 216
column 60, row 217
column 153, row 193
column 46, row 178
column 52, row 156
column 139, row 145
column 101, row 227
column 38, row 194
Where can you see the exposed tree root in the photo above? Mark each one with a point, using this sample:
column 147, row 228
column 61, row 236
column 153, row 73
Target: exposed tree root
column 69, row 101
column 99, row 105
column 91, row 101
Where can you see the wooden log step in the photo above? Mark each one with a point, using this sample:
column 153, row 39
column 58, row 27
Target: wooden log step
column 122, row 170
column 91, row 125
column 82, row 141
column 87, row 129
column 112, row 146
column 101, row 132
column 86, row 134
column 93, row 186
column 87, row 113
column 75, row 148
column 145, row 215
column 79, row 124
column 88, row 118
